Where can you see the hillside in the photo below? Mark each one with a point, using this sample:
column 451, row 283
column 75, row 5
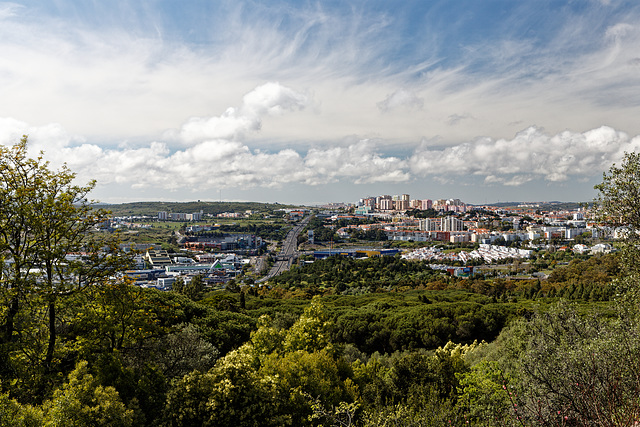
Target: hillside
column 152, row 208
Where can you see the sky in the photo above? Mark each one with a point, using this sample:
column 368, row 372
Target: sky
column 309, row 102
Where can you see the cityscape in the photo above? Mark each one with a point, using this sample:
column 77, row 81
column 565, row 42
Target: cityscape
column 250, row 213
column 490, row 234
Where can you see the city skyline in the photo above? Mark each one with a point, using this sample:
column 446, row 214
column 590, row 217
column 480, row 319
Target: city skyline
column 321, row 102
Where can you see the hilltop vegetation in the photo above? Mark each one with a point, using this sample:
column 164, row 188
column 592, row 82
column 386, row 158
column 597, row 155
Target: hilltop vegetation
column 213, row 208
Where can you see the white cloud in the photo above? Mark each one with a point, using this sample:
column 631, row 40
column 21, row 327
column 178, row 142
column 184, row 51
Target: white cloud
column 215, row 157
column 360, row 162
column 355, row 72
column 401, row 99
column 266, row 100
column 9, row 9
column 214, row 164
column 110, row 81
column 619, row 30
column 532, row 154
column 272, row 99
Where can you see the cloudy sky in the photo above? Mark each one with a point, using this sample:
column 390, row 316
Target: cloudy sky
column 317, row 101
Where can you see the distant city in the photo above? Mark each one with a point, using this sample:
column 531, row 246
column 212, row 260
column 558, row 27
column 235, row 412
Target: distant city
column 453, row 221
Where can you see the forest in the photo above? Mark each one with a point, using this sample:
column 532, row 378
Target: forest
column 378, row 342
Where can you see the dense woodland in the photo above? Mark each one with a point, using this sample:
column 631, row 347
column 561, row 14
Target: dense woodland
column 378, row 342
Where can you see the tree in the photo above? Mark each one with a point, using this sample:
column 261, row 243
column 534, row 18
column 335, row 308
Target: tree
column 619, row 200
column 310, row 332
column 84, row 402
column 581, row 369
column 194, row 288
column 16, row 415
column 47, row 230
column 618, row 205
column 233, row 393
column 114, row 317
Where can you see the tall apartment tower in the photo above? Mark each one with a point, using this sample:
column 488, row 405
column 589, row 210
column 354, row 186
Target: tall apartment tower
column 386, row 205
column 430, row 224
column 451, row 223
column 426, row 204
column 401, row 205
column 379, row 200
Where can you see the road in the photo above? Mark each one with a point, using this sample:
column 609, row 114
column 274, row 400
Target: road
column 288, row 252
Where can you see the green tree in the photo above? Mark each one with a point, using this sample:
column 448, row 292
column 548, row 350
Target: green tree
column 311, row 331
column 13, row 414
column 194, row 288
column 484, row 395
column 618, row 205
column 582, row 368
column 47, row 231
column 267, row 339
column 114, row 317
column 619, row 200
column 83, row 402
column 233, row 393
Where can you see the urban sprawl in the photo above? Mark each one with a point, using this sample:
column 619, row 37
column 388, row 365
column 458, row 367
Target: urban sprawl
column 489, row 233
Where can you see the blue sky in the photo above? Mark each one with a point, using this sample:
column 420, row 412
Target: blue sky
column 310, row 102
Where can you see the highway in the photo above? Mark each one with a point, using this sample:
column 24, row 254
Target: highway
column 289, row 250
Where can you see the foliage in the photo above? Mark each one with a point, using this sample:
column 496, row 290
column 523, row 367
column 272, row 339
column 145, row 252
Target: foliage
column 274, row 231
column 232, row 393
column 584, row 369
column 484, row 393
column 427, row 213
column 213, row 208
column 372, row 235
column 84, row 402
column 310, row 332
column 618, row 202
column 344, row 273
column 320, row 232
column 618, row 205
column 14, row 414
column 52, row 253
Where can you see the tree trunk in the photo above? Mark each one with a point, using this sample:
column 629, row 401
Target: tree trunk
column 8, row 327
column 52, row 335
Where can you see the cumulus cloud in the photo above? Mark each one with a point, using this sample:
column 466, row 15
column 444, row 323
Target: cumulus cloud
column 218, row 157
column 266, row 100
column 532, row 154
column 359, row 162
column 272, row 99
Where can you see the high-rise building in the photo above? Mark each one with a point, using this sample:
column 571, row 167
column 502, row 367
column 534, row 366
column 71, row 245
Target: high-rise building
column 426, row 204
column 379, row 200
column 401, row 205
column 430, row 224
column 385, row 204
column 451, row 223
